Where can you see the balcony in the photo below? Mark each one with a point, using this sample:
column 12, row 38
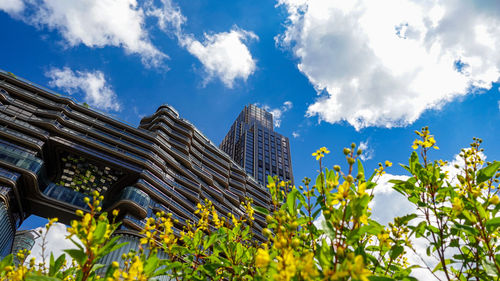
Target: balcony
column 215, row 174
column 19, row 158
column 237, row 175
column 170, row 201
column 216, row 166
column 192, row 194
column 214, row 192
column 24, row 138
column 236, row 184
column 232, row 197
column 66, row 195
column 258, row 201
column 238, row 192
column 202, row 173
column 175, row 142
column 260, row 219
column 222, row 162
column 9, row 175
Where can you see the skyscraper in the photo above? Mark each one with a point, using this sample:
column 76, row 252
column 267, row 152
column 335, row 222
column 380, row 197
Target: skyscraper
column 254, row 145
column 54, row 152
column 23, row 240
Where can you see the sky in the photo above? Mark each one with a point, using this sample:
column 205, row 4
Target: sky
column 332, row 72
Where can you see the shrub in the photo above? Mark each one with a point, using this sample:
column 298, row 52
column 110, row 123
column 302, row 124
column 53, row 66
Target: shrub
column 457, row 218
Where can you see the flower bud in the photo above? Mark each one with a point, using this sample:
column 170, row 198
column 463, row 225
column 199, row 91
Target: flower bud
column 347, row 151
column 336, row 168
column 267, row 232
column 269, row 218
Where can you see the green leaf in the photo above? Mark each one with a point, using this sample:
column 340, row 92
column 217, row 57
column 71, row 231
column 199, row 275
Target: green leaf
column 290, row 201
column 482, row 212
column 261, row 210
column 396, row 250
column 486, row 173
column 151, row 265
column 56, row 265
column 379, row 278
column 6, row 261
column 493, row 224
column 361, row 170
column 490, row 268
column 413, row 161
column 41, row 278
column 210, row 241
column 320, row 181
column 78, row 255
column 100, row 231
column 405, row 219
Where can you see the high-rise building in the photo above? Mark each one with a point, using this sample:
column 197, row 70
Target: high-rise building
column 254, row 145
column 24, row 240
column 54, row 152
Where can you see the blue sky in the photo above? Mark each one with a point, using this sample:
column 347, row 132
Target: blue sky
column 333, row 72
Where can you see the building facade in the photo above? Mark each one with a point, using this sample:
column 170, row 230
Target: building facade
column 24, row 240
column 254, row 145
column 53, row 152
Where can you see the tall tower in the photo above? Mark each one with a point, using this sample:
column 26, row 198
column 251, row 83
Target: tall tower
column 253, row 143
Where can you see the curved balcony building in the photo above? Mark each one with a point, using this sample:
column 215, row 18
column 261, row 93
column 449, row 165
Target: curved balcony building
column 53, row 152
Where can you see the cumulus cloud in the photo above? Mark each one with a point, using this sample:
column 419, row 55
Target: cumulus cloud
column 223, row 55
column 384, row 63
column 12, row 6
column 122, row 23
column 56, row 242
column 368, row 152
column 169, row 15
column 278, row 113
column 93, row 23
column 93, row 84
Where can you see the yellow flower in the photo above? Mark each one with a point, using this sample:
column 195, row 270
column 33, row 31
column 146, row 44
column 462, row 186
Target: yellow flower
column 320, row 153
column 457, row 205
column 308, row 268
column 262, row 259
column 358, row 270
column 494, row 200
column 286, row 265
column 388, row 163
column 362, row 189
column 363, row 219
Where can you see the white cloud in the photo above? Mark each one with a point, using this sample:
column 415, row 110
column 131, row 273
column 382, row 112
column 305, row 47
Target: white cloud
column 223, row 55
column 56, row 242
column 170, row 17
column 92, row 84
column 295, row 134
column 368, row 152
column 278, row 113
column 94, row 23
column 384, row 63
column 11, row 6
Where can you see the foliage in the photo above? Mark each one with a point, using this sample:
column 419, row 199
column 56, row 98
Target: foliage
column 458, row 219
